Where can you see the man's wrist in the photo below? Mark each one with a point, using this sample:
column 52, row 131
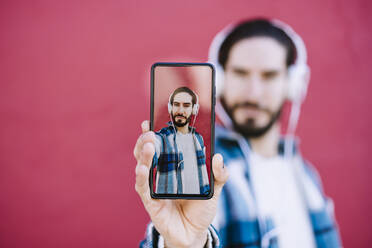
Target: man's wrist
column 199, row 242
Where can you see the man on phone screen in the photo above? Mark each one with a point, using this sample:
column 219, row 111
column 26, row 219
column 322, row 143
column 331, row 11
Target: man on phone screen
column 179, row 158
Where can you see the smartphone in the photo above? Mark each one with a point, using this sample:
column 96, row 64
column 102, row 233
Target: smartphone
column 182, row 117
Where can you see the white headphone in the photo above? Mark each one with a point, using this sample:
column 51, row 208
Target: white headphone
column 299, row 72
column 299, row 75
column 195, row 107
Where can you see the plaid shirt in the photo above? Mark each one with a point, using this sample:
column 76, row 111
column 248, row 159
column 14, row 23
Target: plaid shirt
column 168, row 161
column 237, row 221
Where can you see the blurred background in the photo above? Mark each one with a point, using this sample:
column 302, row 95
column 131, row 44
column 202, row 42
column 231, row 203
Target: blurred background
column 75, row 83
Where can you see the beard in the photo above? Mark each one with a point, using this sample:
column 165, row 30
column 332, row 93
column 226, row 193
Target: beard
column 249, row 129
column 180, row 122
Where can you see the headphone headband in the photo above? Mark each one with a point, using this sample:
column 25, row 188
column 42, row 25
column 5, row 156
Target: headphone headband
column 301, row 57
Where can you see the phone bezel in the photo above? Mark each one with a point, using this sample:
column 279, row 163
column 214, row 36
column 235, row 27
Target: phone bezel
column 212, row 142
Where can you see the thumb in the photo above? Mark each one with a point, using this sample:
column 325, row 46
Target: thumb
column 220, row 172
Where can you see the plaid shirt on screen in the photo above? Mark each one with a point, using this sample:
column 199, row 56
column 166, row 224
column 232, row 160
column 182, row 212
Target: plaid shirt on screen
column 169, row 163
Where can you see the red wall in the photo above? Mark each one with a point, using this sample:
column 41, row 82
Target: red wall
column 75, row 87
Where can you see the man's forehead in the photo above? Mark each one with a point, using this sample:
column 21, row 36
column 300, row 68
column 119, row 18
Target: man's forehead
column 183, row 97
column 261, row 53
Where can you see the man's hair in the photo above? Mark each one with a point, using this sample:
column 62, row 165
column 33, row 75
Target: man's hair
column 256, row 28
column 183, row 89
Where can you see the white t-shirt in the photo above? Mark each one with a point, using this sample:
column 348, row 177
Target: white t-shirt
column 278, row 195
column 190, row 180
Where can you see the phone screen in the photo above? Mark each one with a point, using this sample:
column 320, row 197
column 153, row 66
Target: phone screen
column 182, row 117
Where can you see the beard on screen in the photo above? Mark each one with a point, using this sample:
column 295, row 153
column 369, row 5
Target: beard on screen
column 180, row 122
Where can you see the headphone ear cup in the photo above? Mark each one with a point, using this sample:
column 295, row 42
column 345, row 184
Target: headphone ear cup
column 195, row 109
column 169, row 108
column 299, row 76
column 220, row 75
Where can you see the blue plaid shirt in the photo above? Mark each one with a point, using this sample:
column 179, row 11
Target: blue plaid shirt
column 168, row 161
column 237, row 223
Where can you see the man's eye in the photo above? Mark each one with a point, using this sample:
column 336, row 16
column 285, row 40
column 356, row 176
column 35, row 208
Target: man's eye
column 176, row 104
column 240, row 72
column 186, row 105
column 269, row 75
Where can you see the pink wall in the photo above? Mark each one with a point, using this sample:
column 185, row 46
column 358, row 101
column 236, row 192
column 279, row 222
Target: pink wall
column 74, row 89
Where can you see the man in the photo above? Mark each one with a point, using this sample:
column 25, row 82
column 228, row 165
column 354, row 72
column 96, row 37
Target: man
column 273, row 197
column 179, row 150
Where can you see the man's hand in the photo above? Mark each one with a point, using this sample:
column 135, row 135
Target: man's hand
column 182, row 223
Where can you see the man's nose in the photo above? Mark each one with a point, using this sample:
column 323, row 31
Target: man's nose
column 182, row 109
column 178, row 111
column 253, row 88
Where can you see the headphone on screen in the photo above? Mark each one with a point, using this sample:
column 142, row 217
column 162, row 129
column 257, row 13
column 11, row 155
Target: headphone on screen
column 298, row 73
column 195, row 107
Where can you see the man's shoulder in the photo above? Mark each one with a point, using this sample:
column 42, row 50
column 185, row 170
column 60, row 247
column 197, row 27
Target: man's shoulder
column 164, row 131
column 197, row 134
column 225, row 139
column 199, row 137
column 311, row 171
column 223, row 133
